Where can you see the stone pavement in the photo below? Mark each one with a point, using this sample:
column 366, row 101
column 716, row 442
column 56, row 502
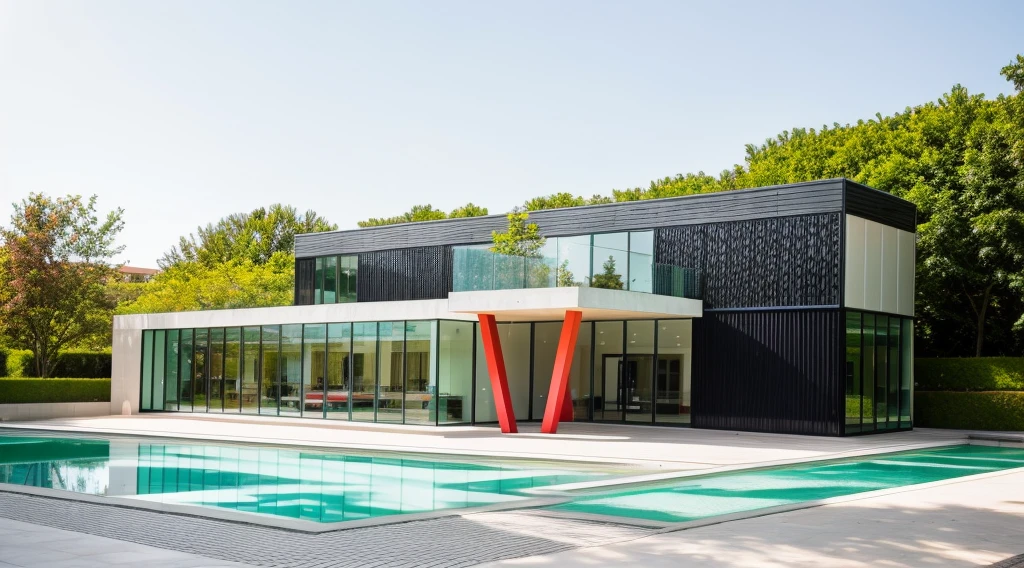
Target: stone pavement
column 963, row 523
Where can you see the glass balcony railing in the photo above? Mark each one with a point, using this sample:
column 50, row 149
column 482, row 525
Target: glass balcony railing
column 571, row 264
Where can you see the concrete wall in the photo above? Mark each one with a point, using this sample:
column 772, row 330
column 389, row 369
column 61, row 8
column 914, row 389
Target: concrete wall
column 42, row 411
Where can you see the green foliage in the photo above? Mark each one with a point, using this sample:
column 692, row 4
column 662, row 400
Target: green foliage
column 969, row 374
column 564, row 277
column 53, row 275
column 73, row 362
column 238, row 283
column 560, row 200
column 609, row 278
column 426, row 213
column 1001, row 411
column 254, row 237
column 522, row 238
column 24, row 391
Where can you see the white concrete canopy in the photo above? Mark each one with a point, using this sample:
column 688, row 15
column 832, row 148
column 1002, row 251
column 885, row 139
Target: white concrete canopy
column 550, row 304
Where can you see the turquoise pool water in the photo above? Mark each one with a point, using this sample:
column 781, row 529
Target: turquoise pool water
column 720, row 494
column 316, row 486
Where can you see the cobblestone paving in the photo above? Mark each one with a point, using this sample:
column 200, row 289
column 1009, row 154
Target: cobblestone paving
column 1015, row 562
column 448, row 541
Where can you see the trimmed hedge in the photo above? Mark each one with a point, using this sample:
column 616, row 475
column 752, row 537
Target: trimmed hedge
column 71, row 363
column 970, row 410
column 970, row 374
column 20, row 391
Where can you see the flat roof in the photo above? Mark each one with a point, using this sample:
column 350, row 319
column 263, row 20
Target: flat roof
column 550, row 304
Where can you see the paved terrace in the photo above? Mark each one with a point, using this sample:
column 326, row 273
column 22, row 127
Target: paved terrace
column 972, row 522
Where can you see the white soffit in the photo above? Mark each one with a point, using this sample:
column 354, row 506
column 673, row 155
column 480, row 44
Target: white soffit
column 540, row 304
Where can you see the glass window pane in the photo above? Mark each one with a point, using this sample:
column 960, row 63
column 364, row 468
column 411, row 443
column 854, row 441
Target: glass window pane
column 270, row 386
column 348, row 275
column 232, row 369
column 171, row 384
column 515, row 348
column 455, row 372
column 893, row 396
column 573, row 261
column 339, row 344
column 868, row 384
column 638, row 371
column 330, row 279
column 672, row 379
column 611, row 261
column 420, row 372
column 608, row 358
column 146, row 397
column 484, row 395
column 291, row 369
column 186, row 372
column 216, row 364
column 159, row 369
column 249, row 392
column 853, row 372
column 318, row 282
column 907, row 374
column 881, row 369
column 200, row 376
column 391, row 390
column 579, row 374
column 545, row 348
column 364, row 370
column 314, row 361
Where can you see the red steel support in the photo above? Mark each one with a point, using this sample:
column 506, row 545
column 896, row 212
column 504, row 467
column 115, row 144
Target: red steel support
column 560, row 396
column 496, row 368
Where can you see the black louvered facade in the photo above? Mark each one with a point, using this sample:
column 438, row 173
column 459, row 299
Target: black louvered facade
column 305, row 275
column 768, row 371
column 423, row 273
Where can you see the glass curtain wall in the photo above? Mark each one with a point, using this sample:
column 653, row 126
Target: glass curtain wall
column 608, row 357
column 159, row 376
column 638, row 372
column 420, row 372
column 232, row 369
column 455, row 372
column 483, row 395
column 364, row 369
column 672, row 374
column 249, row 392
column 879, row 372
column 269, row 372
column 391, row 387
column 147, row 371
column 200, row 370
column 185, row 370
column 215, row 394
column 545, row 348
column 339, row 370
column 314, row 369
column 610, row 262
column 333, row 280
column 171, row 386
column 641, row 261
column 291, row 370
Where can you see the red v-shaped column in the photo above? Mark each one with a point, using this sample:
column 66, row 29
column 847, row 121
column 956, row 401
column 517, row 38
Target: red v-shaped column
column 559, row 395
column 496, row 369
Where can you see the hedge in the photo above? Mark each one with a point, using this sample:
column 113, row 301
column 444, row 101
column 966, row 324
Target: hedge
column 71, row 363
column 970, row 410
column 970, row 374
column 18, row 390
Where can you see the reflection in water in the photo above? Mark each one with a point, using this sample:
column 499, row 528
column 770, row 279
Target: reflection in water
column 322, row 487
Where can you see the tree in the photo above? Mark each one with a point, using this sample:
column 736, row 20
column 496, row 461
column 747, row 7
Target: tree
column 522, row 238
column 253, row 236
column 564, row 277
column 53, row 275
column 468, row 210
column 609, row 278
column 425, row 213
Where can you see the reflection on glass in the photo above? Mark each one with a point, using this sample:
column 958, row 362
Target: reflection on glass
column 868, row 384
column 574, row 256
column 318, row 282
column 391, row 391
column 186, row 372
column 672, row 380
column 608, row 356
column 200, row 376
column 545, row 347
column 270, row 378
column 249, row 393
column 339, row 370
column 484, row 394
column 881, row 369
column 216, row 366
column 420, row 377
column 147, row 371
column 330, row 279
column 893, row 396
column 638, row 372
column 171, row 364
column 907, row 373
column 455, row 372
column 610, row 261
column 291, row 369
column 314, row 369
column 348, row 275
column 159, row 369
column 232, row 368
column 364, row 370
column 641, row 261
column 853, row 372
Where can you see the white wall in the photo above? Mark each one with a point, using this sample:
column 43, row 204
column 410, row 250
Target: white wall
column 879, row 267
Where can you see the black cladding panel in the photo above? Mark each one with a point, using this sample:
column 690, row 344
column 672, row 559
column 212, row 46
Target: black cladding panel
column 423, row 273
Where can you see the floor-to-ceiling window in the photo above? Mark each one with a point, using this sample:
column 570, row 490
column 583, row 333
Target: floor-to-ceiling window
column 608, row 358
column 421, row 372
column 545, row 348
column 364, row 369
column 853, row 372
column 215, row 395
column 314, row 369
column 171, row 385
column 249, row 392
column 200, row 370
column 455, row 372
column 672, row 373
column 185, row 370
column 232, row 369
column 159, row 374
column 291, row 370
column 270, row 377
column 878, row 372
column 390, row 371
column 638, row 371
column 339, row 370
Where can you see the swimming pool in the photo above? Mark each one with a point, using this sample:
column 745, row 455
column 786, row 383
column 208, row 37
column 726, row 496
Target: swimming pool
column 702, row 497
column 318, row 486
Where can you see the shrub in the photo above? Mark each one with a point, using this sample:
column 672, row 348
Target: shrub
column 970, row 410
column 20, row 390
column 970, row 374
column 71, row 363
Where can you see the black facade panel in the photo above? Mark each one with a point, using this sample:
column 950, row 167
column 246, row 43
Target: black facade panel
column 305, row 273
column 765, row 202
column 423, row 273
column 774, row 262
column 768, row 371
column 880, row 207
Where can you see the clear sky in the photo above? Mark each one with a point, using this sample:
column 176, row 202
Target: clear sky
column 183, row 112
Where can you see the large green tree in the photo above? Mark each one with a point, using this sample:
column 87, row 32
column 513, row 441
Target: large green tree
column 425, row 213
column 53, row 275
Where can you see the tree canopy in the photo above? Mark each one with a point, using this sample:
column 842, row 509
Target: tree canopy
column 53, row 273
column 426, row 213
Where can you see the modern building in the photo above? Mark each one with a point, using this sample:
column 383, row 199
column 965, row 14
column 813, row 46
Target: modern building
column 778, row 309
